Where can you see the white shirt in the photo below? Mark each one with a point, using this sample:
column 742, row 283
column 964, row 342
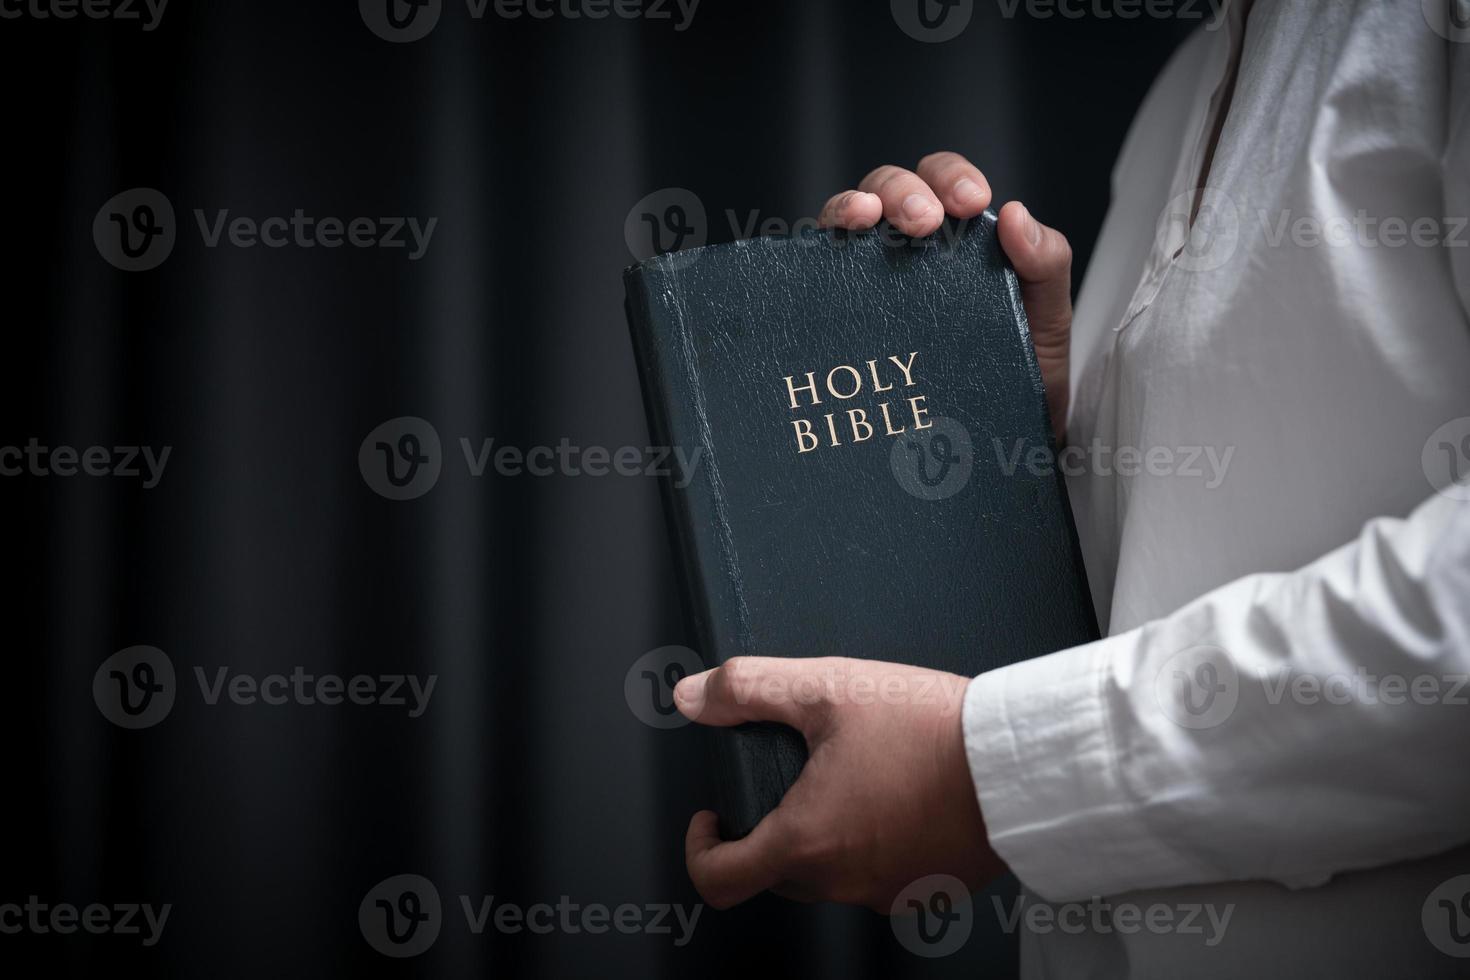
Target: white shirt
column 1234, row 744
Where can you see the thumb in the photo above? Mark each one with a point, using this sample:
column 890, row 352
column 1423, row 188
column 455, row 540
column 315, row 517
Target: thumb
column 1042, row 259
column 743, row 689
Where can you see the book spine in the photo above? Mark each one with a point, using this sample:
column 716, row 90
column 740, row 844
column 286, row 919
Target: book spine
column 661, row 384
column 1038, row 388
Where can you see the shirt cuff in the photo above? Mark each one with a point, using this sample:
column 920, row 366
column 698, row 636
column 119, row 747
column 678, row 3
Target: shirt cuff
column 1040, row 750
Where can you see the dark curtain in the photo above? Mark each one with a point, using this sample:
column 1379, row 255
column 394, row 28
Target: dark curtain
column 262, row 549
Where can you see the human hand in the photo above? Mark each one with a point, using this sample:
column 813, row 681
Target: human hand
column 885, row 798
column 946, row 183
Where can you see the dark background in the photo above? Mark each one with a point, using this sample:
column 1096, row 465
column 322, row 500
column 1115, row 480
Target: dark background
column 263, row 548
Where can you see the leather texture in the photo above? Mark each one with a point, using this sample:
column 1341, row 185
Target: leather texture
column 849, row 550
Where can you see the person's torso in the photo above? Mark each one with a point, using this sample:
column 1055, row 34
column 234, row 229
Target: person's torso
column 1247, row 395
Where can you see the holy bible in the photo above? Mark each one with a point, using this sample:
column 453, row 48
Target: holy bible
column 875, row 469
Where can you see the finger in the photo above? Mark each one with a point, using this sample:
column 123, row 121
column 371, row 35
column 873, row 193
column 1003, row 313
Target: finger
column 1043, row 262
column 789, row 691
column 908, row 203
column 958, row 183
column 854, row 210
column 726, row 873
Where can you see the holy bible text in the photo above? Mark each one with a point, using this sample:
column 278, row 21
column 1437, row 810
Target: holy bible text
column 845, row 382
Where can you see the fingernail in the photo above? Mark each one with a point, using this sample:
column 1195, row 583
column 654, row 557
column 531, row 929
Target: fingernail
column 966, row 191
column 1033, row 227
column 689, row 694
column 916, row 206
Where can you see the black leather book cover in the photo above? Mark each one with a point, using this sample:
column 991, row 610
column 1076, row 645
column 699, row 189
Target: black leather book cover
column 874, row 474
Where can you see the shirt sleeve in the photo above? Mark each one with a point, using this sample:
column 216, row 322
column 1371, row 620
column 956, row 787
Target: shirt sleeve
column 1284, row 727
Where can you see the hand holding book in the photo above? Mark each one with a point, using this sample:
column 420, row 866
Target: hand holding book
column 946, row 183
column 884, row 799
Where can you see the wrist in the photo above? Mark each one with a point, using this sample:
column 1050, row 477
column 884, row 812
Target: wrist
column 981, row 863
